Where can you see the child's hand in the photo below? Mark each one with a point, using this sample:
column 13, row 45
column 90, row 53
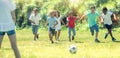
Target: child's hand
column 79, row 20
column 33, row 22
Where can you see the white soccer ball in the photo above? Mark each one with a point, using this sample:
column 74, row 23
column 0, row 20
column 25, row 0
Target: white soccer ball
column 73, row 49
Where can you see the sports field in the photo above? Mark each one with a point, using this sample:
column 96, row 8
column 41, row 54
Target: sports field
column 42, row 48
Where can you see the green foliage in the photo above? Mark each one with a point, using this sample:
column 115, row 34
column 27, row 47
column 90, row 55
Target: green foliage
column 24, row 7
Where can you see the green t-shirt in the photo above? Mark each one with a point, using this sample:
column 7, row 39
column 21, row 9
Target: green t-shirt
column 92, row 18
column 51, row 21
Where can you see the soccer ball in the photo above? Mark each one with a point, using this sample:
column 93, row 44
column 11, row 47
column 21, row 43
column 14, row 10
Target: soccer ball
column 72, row 49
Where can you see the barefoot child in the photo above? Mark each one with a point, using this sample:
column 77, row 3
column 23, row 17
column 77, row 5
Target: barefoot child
column 107, row 20
column 7, row 24
column 92, row 15
column 52, row 22
column 71, row 25
column 35, row 20
column 58, row 26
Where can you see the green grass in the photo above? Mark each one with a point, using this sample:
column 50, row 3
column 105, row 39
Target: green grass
column 42, row 48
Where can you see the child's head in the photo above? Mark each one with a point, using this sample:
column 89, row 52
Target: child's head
column 105, row 10
column 70, row 14
column 35, row 10
column 52, row 13
column 92, row 8
column 57, row 14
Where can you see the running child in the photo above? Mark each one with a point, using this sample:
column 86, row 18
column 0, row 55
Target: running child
column 107, row 21
column 58, row 26
column 35, row 20
column 51, row 22
column 71, row 26
column 92, row 15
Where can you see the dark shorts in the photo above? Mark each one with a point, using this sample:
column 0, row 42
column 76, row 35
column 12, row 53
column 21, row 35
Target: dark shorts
column 94, row 27
column 35, row 29
column 108, row 26
column 12, row 32
column 51, row 31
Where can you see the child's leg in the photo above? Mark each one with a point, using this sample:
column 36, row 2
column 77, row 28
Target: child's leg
column 109, row 28
column 51, row 37
column 12, row 38
column 56, row 33
column 74, row 33
column 1, row 39
column 97, row 31
column 59, row 34
column 35, row 31
column 14, row 45
column 92, row 30
column 69, row 33
column 110, row 32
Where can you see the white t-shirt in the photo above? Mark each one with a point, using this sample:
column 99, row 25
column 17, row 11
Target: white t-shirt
column 35, row 19
column 58, row 26
column 6, row 21
column 107, row 18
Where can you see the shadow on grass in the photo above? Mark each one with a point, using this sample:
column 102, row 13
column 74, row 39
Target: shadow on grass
column 78, row 42
column 117, row 41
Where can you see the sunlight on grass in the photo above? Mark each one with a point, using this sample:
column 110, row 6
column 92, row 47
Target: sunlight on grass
column 42, row 48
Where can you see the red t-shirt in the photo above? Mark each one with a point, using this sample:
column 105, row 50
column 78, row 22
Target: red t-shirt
column 71, row 21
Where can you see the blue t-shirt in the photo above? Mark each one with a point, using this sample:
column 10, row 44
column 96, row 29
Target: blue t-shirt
column 51, row 21
column 92, row 18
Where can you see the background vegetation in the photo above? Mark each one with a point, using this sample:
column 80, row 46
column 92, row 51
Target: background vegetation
column 24, row 8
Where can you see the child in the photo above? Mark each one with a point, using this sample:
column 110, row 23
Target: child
column 92, row 15
column 7, row 24
column 58, row 26
column 71, row 25
column 52, row 22
column 35, row 20
column 107, row 20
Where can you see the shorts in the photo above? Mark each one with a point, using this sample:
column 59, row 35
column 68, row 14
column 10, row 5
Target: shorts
column 94, row 27
column 12, row 32
column 51, row 30
column 108, row 26
column 35, row 29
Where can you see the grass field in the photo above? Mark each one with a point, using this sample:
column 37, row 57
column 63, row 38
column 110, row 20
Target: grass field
column 42, row 48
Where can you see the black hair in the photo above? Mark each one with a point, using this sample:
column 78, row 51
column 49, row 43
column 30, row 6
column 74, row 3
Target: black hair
column 105, row 9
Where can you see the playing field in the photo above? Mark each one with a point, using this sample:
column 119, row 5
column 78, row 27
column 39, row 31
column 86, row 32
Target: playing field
column 42, row 48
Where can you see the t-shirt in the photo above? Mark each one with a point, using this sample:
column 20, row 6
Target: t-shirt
column 6, row 21
column 71, row 21
column 51, row 21
column 92, row 18
column 107, row 18
column 35, row 19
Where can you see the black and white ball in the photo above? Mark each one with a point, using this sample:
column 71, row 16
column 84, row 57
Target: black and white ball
column 73, row 49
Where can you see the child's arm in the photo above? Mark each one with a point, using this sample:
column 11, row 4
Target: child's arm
column 101, row 19
column 39, row 19
column 55, row 24
column 32, row 21
column 115, row 17
column 46, row 23
column 81, row 17
column 13, row 16
column 63, row 22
